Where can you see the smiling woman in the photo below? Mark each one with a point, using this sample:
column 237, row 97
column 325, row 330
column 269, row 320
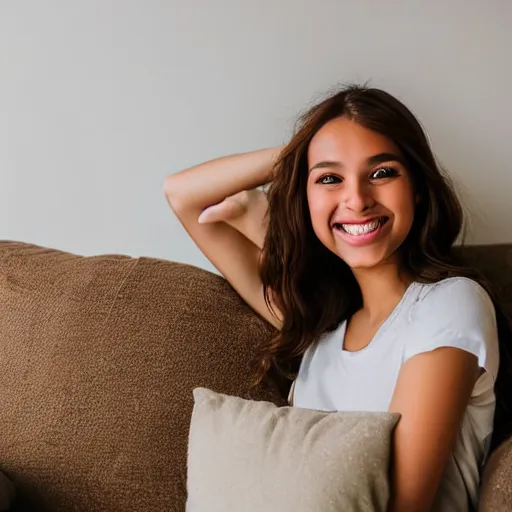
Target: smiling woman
column 357, row 271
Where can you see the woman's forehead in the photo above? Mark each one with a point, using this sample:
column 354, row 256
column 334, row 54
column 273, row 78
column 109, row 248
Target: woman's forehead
column 348, row 142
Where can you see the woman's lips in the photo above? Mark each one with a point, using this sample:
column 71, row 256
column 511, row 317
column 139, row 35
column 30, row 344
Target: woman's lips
column 358, row 238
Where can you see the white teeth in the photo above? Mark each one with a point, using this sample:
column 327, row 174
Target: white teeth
column 361, row 229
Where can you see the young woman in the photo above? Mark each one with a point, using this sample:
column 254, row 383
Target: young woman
column 352, row 260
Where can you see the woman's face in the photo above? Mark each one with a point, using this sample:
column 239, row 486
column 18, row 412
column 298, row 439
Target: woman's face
column 359, row 192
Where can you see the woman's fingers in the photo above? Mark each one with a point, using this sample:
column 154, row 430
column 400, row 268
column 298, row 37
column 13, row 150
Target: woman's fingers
column 225, row 211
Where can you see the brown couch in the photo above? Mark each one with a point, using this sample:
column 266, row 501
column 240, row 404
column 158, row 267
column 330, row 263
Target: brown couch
column 98, row 359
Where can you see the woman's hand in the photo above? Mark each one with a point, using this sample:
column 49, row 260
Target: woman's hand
column 245, row 211
column 230, row 209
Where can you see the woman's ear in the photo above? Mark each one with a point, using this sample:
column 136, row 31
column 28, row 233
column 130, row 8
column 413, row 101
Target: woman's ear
column 417, row 199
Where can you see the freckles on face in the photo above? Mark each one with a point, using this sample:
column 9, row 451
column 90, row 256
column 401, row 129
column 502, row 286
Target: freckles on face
column 359, row 191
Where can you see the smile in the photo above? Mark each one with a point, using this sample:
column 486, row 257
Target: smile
column 360, row 233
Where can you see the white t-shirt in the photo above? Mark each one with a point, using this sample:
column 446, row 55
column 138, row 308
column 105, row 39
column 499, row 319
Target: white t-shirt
column 455, row 312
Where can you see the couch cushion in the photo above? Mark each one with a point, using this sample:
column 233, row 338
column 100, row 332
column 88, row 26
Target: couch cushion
column 98, row 360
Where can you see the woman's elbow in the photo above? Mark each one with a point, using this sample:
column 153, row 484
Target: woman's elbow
column 172, row 192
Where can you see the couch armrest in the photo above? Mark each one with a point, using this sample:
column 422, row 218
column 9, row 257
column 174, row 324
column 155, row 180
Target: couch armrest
column 496, row 488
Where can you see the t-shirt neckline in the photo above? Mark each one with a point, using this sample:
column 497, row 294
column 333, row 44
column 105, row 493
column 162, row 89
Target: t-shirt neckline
column 380, row 331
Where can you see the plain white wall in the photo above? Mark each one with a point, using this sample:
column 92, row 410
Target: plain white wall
column 100, row 99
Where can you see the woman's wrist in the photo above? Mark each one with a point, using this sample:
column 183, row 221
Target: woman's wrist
column 253, row 222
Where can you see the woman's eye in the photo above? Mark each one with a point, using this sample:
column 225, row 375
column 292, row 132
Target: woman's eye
column 328, row 180
column 384, row 172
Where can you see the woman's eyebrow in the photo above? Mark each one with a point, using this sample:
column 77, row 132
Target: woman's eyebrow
column 326, row 164
column 384, row 157
column 370, row 161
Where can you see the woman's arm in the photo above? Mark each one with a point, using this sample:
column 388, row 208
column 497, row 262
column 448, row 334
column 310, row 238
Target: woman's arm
column 211, row 182
column 431, row 394
column 236, row 257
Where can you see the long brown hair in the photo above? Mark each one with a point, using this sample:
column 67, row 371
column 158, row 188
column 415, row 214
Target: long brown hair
column 314, row 289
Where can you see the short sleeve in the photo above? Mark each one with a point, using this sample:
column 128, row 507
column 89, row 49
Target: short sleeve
column 455, row 312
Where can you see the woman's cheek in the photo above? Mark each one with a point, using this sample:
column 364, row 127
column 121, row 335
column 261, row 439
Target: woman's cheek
column 320, row 223
column 319, row 215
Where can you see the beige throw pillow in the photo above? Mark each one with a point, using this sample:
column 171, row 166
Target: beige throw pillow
column 248, row 456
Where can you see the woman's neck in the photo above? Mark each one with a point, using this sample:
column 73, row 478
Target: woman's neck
column 382, row 289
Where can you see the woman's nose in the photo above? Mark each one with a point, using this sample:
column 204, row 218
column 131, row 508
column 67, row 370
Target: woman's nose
column 358, row 197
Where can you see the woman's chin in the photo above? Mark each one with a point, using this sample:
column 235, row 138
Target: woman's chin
column 364, row 259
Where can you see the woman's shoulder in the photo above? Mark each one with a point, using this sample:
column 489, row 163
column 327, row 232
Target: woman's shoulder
column 456, row 312
column 455, row 293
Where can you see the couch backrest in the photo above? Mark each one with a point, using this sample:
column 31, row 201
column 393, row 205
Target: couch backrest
column 495, row 262
column 98, row 359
